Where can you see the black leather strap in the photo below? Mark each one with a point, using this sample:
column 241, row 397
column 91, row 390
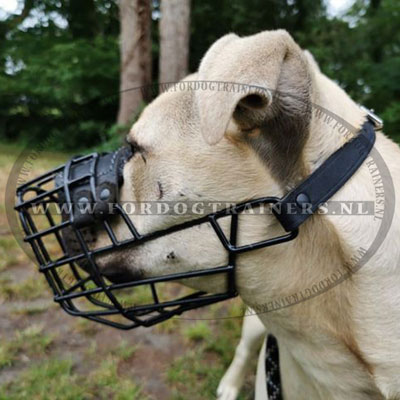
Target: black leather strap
column 299, row 204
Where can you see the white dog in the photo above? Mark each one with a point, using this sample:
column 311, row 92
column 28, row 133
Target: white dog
column 236, row 145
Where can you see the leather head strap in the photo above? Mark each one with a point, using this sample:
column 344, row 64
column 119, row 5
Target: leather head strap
column 300, row 203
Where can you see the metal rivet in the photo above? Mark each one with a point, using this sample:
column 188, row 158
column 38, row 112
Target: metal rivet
column 302, row 198
column 105, row 194
column 83, row 199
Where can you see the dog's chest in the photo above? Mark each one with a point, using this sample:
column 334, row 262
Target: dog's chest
column 315, row 372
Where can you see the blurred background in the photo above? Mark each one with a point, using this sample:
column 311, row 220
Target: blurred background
column 65, row 70
column 63, row 62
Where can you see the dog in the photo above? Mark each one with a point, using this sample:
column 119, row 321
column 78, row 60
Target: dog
column 238, row 145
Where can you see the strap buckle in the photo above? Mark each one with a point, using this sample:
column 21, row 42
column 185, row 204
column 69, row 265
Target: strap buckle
column 372, row 117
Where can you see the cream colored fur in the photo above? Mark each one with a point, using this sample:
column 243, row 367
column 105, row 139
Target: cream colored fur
column 215, row 145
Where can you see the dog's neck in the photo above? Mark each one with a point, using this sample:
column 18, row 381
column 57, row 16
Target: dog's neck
column 284, row 274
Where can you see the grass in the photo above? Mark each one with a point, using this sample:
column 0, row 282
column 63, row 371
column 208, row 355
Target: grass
column 134, row 296
column 169, row 326
column 54, row 379
column 105, row 383
column 29, row 342
column 32, row 309
column 196, row 374
column 197, row 331
column 86, row 327
column 10, row 252
column 124, row 351
column 8, row 354
column 29, row 289
column 50, row 380
column 193, row 377
column 10, row 151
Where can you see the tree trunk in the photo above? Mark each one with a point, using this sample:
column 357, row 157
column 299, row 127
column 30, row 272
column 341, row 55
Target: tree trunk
column 376, row 45
column 174, row 39
column 135, row 45
column 82, row 18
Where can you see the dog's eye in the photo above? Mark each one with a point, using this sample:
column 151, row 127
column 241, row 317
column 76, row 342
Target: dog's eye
column 135, row 147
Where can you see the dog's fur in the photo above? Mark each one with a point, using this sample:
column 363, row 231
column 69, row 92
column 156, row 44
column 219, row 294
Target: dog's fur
column 219, row 145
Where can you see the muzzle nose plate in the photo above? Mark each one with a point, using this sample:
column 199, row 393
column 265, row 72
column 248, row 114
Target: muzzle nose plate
column 91, row 187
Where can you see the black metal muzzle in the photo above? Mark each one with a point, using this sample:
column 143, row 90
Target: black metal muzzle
column 61, row 212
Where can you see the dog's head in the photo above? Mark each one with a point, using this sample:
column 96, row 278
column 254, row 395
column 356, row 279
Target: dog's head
column 228, row 140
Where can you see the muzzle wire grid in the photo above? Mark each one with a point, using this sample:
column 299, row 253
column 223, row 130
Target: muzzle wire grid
column 75, row 278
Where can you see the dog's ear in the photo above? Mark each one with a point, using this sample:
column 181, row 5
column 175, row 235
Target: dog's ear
column 254, row 80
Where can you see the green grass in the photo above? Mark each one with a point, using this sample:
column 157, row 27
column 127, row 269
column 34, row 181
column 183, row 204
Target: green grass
column 197, row 331
column 31, row 342
column 171, row 325
column 105, row 383
column 85, row 326
column 54, row 379
column 224, row 342
column 29, row 289
column 194, row 378
column 196, row 374
column 124, row 351
column 8, row 354
column 134, row 296
column 92, row 349
column 33, row 309
column 49, row 380
column 8, row 153
column 10, row 252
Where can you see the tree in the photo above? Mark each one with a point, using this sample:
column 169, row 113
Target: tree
column 174, row 39
column 60, row 60
column 135, row 47
column 14, row 20
column 81, row 16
